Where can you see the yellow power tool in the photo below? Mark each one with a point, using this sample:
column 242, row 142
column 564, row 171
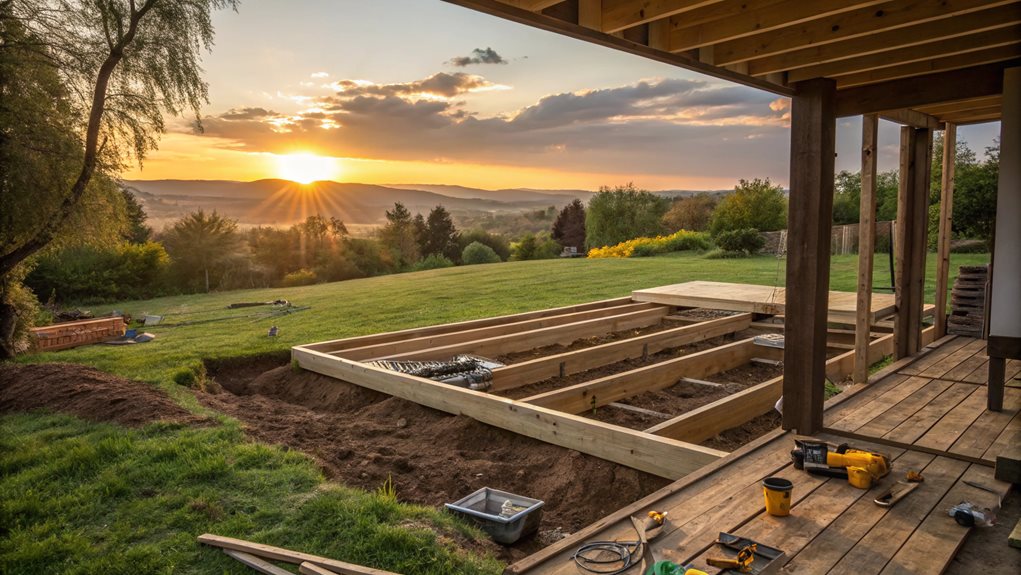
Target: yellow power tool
column 861, row 468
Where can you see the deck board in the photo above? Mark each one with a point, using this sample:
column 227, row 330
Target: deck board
column 757, row 299
column 835, row 528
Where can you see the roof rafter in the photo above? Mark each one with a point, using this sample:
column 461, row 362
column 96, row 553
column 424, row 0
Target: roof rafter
column 622, row 14
column 988, row 55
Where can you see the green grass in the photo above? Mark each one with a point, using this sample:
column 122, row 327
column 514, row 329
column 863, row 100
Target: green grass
column 84, row 498
column 80, row 497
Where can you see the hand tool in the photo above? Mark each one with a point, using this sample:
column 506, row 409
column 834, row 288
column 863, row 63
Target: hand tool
column 861, row 468
column 743, row 561
column 900, row 490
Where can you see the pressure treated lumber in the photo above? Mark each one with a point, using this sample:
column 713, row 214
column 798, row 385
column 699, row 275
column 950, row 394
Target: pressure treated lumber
column 406, row 345
column 288, row 556
column 598, row 392
column 360, row 341
column 256, row 563
column 660, row 456
column 561, row 364
column 563, row 334
column 911, row 245
column 866, row 246
column 1008, row 465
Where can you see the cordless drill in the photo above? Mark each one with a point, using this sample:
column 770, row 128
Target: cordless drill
column 861, row 468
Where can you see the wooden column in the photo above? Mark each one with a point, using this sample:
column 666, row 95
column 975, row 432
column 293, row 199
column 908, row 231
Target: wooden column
column 946, row 210
column 866, row 246
column 813, row 141
column 912, row 225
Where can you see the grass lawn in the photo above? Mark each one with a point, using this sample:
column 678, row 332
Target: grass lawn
column 81, row 497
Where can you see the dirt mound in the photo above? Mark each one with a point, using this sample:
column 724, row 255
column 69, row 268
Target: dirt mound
column 361, row 437
column 87, row 393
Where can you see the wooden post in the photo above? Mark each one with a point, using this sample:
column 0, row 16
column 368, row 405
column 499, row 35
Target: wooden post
column 912, row 225
column 813, row 146
column 946, row 210
column 866, row 246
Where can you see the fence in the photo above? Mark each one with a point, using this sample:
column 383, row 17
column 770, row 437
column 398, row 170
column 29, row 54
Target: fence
column 843, row 239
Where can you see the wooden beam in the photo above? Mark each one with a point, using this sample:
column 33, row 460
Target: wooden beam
column 930, row 89
column 288, row 556
column 971, row 115
column 256, row 563
column 444, row 339
column 659, row 456
column 621, row 14
column 911, row 245
column 941, row 48
column 866, row 245
column 914, row 118
column 813, row 147
column 590, row 14
column 532, row 5
column 599, row 392
column 562, row 364
column 572, row 30
column 987, row 55
column 944, row 29
column 558, row 334
column 961, row 105
column 359, row 341
column 753, row 19
column 737, row 409
column 946, row 210
column 862, row 22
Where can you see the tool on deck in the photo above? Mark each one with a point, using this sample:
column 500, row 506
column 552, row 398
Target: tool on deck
column 671, row 568
column 743, row 555
column 900, row 490
column 968, row 514
column 614, row 557
column 743, row 561
column 861, row 468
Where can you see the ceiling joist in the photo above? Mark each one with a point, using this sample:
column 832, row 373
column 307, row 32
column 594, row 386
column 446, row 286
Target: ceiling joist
column 986, row 56
column 622, row 14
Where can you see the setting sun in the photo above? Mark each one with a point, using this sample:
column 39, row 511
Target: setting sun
column 306, row 168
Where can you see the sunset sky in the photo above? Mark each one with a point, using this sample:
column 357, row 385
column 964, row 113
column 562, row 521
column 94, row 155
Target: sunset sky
column 421, row 91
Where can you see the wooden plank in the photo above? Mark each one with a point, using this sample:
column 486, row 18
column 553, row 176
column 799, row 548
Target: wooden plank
column 912, row 429
column 287, row 556
column 518, row 374
column 887, row 421
column 641, row 410
column 813, row 133
column 933, row 544
column 598, row 392
column 862, row 22
column 758, row 299
column 946, row 28
column 982, row 434
column 850, row 417
column 660, row 456
column 1008, row 465
column 866, row 246
column 953, row 344
column 410, row 344
column 961, row 370
column 964, row 105
column 985, row 56
column 260, row 565
column 621, row 14
column 951, row 360
column 955, row 422
column 558, row 334
column 360, row 341
column 912, row 201
column 936, row 88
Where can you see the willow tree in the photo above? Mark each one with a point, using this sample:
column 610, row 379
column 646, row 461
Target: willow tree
column 85, row 85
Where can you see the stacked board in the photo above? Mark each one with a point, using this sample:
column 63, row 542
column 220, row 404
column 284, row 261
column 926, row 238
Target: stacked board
column 968, row 302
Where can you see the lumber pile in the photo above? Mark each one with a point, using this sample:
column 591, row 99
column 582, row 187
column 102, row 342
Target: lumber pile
column 257, row 556
column 74, row 333
column 968, row 302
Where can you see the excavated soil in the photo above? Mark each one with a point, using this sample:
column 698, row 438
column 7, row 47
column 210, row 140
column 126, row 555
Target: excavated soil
column 361, row 437
column 87, row 393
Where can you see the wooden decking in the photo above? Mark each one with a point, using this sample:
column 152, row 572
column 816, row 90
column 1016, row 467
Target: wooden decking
column 757, row 299
column 928, row 413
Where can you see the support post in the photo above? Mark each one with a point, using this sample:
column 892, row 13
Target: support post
column 813, row 146
column 1004, row 301
column 946, row 210
column 912, row 225
column 866, row 246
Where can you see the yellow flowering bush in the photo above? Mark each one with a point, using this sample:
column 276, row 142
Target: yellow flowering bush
column 643, row 247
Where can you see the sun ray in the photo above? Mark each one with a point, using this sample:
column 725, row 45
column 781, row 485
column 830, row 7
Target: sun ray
column 305, row 168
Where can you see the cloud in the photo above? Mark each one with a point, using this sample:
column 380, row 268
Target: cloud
column 682, row 127
column 478, row 56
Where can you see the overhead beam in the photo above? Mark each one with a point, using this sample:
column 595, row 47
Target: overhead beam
column 862, row 22
column 621, row 14
column 577, row 361
column 573, row 30
column 940, row 48
column 935, row 30
column 946, row 210
column 978, row 57
column 660, row 456
column 974, row 114
column 590, row 14
column 533, row 5
column 753, row 19
column 912, row 118
column 605, row 390
column 961, row 105
column 929, row 89
column 866, row 245
column 813, row 148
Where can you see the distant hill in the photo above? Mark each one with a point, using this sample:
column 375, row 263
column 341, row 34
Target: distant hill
column 282, row 202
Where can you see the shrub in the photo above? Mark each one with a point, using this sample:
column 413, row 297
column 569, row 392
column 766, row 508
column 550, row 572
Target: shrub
column 497, row 242
column 102, row 273
column 535, row 247
column 644, row 247
column 747, row 240
column 432, row 262
column 299, row 278
column 478, row 253
column 722, row 254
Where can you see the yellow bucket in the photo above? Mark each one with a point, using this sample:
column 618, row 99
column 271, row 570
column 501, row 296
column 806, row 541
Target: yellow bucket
column 778, row 496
